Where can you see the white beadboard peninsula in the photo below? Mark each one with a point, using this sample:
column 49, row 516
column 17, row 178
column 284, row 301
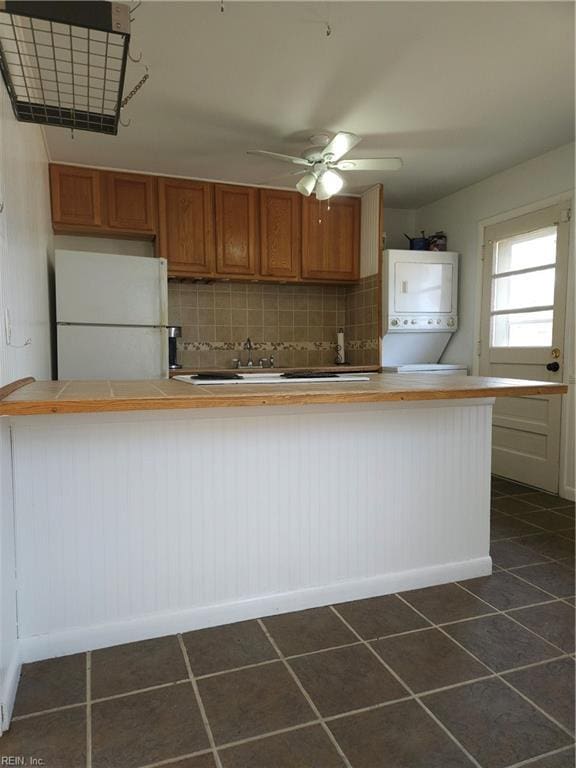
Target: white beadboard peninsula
column 145, row 508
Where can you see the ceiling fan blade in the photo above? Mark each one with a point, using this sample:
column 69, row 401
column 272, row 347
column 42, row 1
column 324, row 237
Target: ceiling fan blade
column 373, row 164
column 340, row 145
column 278, row 156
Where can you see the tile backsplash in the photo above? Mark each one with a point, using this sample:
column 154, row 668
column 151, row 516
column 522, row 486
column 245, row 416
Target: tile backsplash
column 296, row 324
column 361, row 321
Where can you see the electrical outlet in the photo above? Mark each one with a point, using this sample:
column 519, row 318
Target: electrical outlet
column 8, row 332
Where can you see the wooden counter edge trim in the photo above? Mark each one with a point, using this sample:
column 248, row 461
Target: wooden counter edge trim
column 43, row 407
column 7, row 389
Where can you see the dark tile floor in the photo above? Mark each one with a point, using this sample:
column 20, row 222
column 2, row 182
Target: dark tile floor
column 479, row 673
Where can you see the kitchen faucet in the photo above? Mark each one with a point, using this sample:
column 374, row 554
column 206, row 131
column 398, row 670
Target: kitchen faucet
column 264, row 362
column 249, row 347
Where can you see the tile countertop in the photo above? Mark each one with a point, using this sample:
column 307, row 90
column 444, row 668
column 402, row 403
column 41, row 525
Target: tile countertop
column 28, row 397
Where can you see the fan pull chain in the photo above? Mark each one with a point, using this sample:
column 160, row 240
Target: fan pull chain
column 327, row 209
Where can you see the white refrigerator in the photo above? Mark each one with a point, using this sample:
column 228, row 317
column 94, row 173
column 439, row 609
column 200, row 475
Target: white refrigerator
column 111, row 316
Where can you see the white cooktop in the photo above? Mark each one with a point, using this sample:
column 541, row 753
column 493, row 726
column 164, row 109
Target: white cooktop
column 274, row 378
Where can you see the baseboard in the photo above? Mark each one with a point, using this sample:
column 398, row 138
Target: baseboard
column 144, row 627
column 8, row 690
column 566, row 492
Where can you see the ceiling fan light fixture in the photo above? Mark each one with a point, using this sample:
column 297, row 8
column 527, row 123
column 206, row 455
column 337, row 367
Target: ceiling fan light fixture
column 306, row 184
column 329, row 183
column 323, row 161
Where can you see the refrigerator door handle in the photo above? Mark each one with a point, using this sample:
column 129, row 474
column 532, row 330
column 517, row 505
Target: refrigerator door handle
column 164, row 353
column 163, row 290
column 109, row 325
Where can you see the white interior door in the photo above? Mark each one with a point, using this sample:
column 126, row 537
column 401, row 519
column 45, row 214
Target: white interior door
column 525, row 263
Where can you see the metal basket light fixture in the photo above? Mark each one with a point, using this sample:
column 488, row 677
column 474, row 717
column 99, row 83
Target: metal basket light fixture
column 64, row 63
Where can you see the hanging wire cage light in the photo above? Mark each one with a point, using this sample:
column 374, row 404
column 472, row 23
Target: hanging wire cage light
column 64, row 63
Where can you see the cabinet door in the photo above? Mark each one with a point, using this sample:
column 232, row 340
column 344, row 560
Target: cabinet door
column 280, row 238
column 236, row 234
column 312, row 237
column 76, row 196
column 331, row 239
column 186, row 211
column 342, row 244
column 131, row 202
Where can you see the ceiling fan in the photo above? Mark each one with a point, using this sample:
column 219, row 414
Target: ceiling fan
column 323, row 161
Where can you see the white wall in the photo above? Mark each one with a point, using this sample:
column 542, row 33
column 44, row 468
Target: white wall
column 121, row 246
column 460, row 216
column 397, row 222
column 25, row 240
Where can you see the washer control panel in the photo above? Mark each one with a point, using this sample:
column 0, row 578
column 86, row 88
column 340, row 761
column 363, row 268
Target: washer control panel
column 421, row 322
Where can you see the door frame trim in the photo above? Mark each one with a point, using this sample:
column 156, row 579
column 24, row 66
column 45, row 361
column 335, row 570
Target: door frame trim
column 567, row 196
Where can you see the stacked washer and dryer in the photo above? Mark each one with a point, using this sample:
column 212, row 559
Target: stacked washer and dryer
column 419, row 311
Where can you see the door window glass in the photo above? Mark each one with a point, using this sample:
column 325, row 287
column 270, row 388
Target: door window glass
column 528, row 289
column 522, row 329
column 532, row 249
column 523, row 281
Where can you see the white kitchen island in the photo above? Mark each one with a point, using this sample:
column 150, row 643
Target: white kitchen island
column 143, row 509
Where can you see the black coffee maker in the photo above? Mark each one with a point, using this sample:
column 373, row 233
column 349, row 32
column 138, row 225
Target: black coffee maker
column 174, row 332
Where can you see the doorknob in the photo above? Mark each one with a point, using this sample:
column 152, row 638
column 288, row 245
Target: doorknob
column 553, row 367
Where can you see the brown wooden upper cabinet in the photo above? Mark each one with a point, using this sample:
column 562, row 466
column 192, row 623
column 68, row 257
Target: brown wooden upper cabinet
column 186, row 223
column 131, row 201
column 207, row 230
column 76, row 196
column 236, row 231
column 280, row 233
column 331, row 238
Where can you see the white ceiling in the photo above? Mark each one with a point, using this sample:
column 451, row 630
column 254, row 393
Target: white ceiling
column 459, row 90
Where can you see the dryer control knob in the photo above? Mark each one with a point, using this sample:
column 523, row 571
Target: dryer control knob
column 450, row 322
column 394, row 321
